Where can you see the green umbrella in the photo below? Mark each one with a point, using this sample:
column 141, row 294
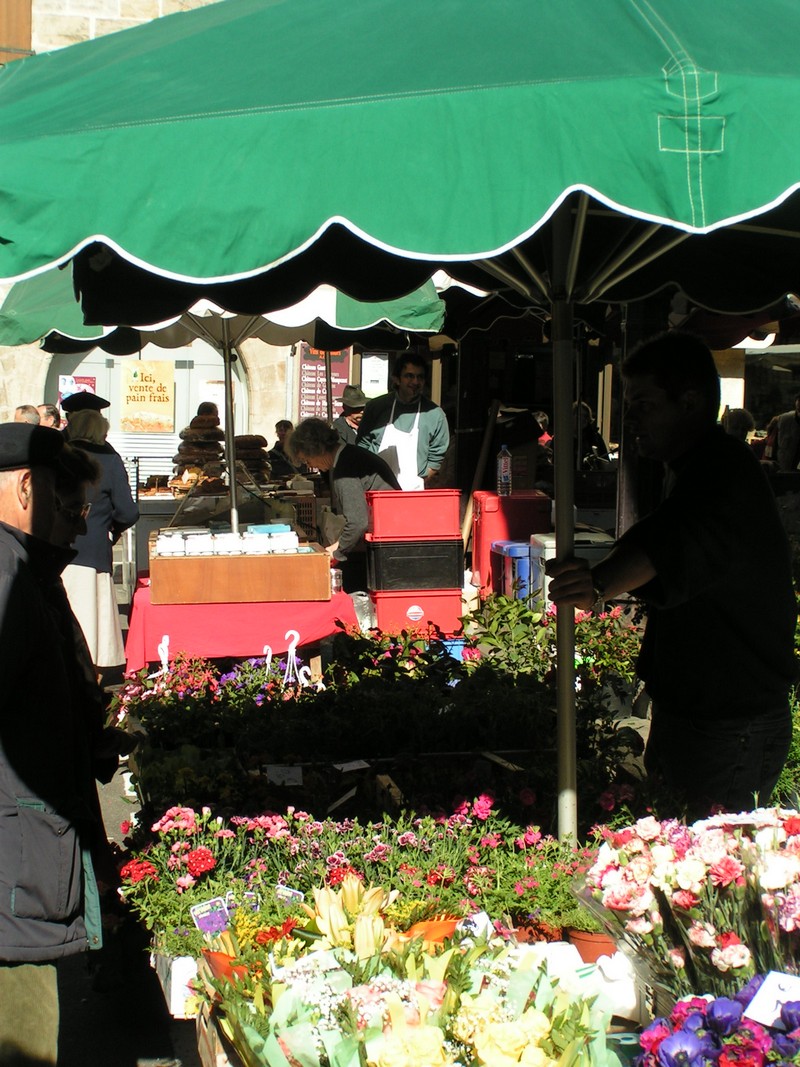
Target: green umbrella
column 45, row 308
column 214, row 143
column 571, row 152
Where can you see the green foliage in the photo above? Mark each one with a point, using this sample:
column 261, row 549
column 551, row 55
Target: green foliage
column 518, row 638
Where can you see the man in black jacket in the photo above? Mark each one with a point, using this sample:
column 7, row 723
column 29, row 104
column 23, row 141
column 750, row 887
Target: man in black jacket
column 712, row 565
column 49, row 905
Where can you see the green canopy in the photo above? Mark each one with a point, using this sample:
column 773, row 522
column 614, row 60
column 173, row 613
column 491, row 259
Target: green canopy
column 214, row 143
column 45, row 307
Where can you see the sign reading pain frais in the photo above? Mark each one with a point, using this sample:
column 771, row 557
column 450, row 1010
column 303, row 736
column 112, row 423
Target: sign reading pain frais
column 147, row 401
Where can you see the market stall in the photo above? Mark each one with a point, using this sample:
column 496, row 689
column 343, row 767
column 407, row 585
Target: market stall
column 218, row 631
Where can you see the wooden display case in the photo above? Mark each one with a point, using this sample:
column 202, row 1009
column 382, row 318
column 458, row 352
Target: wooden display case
column 240, row 579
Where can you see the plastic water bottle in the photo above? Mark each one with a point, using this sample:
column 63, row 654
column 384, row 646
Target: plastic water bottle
column 504, row 472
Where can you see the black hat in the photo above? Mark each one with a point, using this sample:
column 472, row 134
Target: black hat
column 81, row 401
column 24, row 445
column 353, row 397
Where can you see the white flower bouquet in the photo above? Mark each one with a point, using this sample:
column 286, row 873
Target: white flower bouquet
column 707, row 906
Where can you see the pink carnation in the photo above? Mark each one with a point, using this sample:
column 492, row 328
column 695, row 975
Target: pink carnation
column 482, row 807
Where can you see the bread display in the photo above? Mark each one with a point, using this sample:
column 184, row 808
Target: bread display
column 251, row 450
column 200, row 446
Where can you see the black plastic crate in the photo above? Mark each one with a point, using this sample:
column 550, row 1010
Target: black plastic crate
column 399, row 565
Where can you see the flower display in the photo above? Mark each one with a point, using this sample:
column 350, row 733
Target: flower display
column 706, row 906
column 359, row 995
column 470, row 861
column 211, row 734
column 715, row 1032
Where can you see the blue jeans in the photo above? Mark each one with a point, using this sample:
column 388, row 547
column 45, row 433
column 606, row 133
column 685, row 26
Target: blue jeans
column 731, row 764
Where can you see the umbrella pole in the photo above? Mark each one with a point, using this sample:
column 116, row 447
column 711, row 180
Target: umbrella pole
column 230, row 448
column 563, row 361
column 328, row 386
column 565, row 543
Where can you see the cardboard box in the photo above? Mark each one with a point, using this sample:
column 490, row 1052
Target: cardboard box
column 240, row 579
column 176, row 973
column 213, row 1048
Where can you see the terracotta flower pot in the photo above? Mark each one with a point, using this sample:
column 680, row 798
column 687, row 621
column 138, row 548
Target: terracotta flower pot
column 591, row 944
column 538, row 931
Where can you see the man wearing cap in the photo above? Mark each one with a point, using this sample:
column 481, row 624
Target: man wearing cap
column 353, row 403
column 81, row 401
column 48, row 895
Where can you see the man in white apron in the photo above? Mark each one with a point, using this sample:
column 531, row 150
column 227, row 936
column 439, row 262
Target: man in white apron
column 406, row 428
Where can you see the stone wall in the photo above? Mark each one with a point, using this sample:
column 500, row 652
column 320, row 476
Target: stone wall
column 57, row 23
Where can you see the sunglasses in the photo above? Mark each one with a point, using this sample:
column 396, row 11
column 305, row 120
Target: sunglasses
column 74, row 514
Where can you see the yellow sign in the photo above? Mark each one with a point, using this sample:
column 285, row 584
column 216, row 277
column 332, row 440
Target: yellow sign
column 148, row 396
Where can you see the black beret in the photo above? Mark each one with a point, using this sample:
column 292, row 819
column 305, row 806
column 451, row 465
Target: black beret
column 81, row 401
column 24, row 445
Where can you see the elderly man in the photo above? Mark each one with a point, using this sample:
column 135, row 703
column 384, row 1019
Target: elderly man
column 353, row 403
column 48, row 894
column 27, row 413
column 718, row 678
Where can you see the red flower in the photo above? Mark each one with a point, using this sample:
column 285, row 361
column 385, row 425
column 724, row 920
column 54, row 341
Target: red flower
column 792, row 825
column 138, row 870
column 275, row 933
column 726, row 940
column 199, row 861
column 741, row 1057
column 338, row 875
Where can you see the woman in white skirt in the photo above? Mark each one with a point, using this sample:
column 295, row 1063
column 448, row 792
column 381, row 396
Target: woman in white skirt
column 88, row 579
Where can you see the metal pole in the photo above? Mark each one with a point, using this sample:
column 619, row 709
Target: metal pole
column 328, row 386
column 230, row 447
column 563, row 362
column 563, row 356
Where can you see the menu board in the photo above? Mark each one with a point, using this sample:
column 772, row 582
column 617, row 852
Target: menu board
column 313, row 388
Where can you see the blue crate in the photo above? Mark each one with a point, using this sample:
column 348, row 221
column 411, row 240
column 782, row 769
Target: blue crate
column 521, row 569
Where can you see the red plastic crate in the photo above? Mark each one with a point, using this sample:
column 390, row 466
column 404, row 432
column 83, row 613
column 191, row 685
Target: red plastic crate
column 410, row 516
column 504, row 518
column 416, row 608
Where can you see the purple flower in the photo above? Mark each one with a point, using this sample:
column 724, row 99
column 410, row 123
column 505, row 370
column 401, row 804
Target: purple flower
column 790, row 1014
column 694, row 1021
column 724, row 1015
column 785, row 1046
column 681, row 1049
column 746, row 994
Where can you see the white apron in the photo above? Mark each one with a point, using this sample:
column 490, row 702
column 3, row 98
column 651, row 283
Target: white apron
column 405, row 451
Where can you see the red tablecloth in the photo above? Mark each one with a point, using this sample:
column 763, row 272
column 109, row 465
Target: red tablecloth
column 215, row 631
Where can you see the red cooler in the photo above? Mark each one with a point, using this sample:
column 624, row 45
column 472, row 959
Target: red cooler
column 503, row 518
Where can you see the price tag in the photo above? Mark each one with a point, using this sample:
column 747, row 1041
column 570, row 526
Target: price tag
column 776, row 990
column 286, row 895
column 210, row 917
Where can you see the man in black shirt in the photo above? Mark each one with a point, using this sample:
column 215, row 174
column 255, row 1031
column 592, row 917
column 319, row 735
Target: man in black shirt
column 712, row 565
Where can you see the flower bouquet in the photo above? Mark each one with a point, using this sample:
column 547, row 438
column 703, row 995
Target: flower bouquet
column 347, row 989
column 703, row 907
column 709, row 1032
